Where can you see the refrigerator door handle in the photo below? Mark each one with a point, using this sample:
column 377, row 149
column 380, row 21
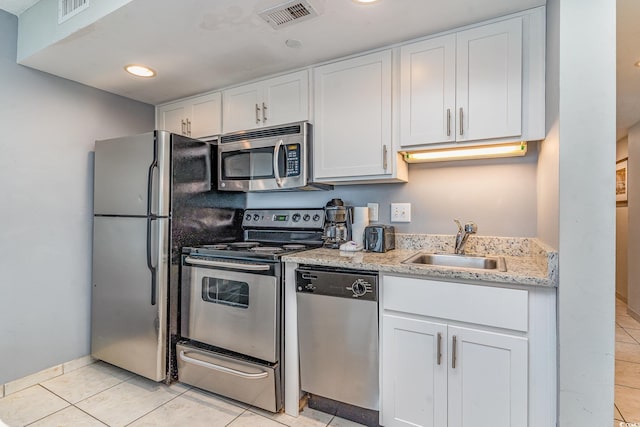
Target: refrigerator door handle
column 152, row 268
column 151, row 217
column 154, row 165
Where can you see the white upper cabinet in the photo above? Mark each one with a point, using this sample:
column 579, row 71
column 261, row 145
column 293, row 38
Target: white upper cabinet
column 485, row 83
column 280, row 100
column 489, row 81
column 428, row 91
column 197, row 117
column 353, row 120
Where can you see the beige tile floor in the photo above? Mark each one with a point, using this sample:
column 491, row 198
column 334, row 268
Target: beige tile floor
column 100, row 394
column 627, row 379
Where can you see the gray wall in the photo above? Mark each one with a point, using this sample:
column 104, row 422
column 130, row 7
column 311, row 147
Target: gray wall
column 49, row 127
column 587, row 134
column 622, row 231
column 499, row 195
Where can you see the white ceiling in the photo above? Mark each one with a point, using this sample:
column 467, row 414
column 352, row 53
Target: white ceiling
column 201, row 45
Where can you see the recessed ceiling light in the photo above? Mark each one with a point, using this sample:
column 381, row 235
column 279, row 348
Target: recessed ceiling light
column 139, row 70
column 365, row 1
column 637, row 64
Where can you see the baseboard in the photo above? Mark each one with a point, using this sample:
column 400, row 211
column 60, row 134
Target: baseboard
column 633, row 314
column 44, row 375
column 621, row 298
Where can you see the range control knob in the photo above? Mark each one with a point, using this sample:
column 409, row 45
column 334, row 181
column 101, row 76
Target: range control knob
column 316, row 217
column 359, row 287
column 295, row 217
column 248, row 217
column 256, row 217
column 306, row 217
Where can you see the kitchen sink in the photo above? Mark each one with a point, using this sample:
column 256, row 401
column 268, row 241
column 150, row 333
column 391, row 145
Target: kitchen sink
column 456, row 260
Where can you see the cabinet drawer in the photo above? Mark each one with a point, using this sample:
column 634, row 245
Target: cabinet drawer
column 483, row 305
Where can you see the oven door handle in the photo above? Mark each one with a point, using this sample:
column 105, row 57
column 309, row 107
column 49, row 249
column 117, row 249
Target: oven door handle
column 224, row 369
column 236, row 265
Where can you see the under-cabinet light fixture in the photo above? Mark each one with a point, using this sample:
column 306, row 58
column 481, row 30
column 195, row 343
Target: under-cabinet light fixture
column 139, row 70
column 477, row 152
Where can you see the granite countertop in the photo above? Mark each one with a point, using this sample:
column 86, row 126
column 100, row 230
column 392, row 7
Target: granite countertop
column 529, row 261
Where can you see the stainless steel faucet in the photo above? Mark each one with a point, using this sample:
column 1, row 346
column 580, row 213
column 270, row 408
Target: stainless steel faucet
column 463, row 235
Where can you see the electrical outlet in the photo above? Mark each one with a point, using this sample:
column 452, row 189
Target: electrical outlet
column 400, row 212
column 373, row 211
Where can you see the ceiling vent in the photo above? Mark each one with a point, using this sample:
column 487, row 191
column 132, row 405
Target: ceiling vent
column 69, row 8
column 288, row 13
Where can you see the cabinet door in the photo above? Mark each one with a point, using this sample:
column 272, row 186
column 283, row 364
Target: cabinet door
column 489, row 81
column 286, row 99
column 353, row 117
column 414, row 379
column 205, row 116
column 427, row 91
column 242, row 108
column 172, row 118
column 488, row 382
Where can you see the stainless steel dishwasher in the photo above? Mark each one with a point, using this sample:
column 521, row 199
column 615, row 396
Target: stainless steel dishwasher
column 338, row 334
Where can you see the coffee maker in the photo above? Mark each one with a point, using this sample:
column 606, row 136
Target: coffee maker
column 337, row 226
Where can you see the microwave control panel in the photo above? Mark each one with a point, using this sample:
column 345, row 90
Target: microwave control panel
column 293, row 159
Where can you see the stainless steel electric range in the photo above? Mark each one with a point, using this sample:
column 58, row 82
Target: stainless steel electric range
column 232, row 310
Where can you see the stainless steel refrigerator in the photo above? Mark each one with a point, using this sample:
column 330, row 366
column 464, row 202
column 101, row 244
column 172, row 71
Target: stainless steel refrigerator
column 153, row 194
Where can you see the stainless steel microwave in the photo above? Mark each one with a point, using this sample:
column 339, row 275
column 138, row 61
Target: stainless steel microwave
column 267, row 159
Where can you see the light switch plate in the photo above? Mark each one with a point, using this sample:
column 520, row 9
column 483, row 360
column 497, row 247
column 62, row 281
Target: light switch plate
column 400, row 212
column 373, row 211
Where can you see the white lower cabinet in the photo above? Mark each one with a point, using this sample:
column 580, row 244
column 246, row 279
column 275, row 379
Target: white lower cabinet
column 457, row 355
column 488, row 381
column 440, row 375
column 414, row 372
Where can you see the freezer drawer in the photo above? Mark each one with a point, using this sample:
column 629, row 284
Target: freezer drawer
column 257, row 385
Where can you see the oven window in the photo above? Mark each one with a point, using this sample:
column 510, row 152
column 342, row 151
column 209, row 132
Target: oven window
column 224, row 291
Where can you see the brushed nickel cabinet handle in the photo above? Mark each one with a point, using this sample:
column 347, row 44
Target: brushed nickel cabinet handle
column 188, row 127
column 448, row 121
column 439, row 351
column 182, row 131
column 264, row 113
column 384, row 157
column 453, row 352
column 257, row 114
column 461, row 121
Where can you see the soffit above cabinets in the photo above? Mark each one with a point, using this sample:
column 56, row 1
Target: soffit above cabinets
column 201, row 45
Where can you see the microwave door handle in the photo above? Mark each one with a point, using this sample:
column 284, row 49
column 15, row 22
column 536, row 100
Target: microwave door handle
column 276, row 170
